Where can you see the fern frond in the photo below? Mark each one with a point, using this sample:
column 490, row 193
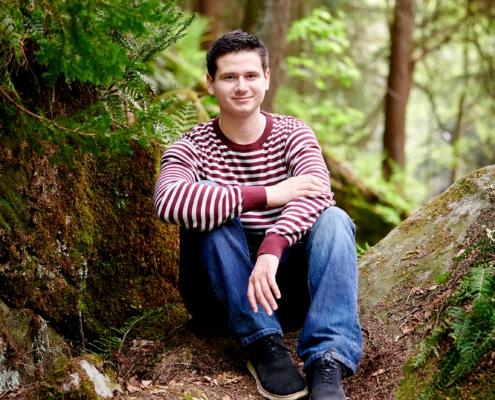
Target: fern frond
column 10, row 39
column 185, row 117
column 428, row 347
column 481, row 281
column 107, row 346
column 471, row 356
column 164, row 37
column 148, row 82
column 471, row 323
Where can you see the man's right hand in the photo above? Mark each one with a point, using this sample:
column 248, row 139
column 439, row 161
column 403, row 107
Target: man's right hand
column 293, row 188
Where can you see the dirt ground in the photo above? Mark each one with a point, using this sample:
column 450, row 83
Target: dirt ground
column 198, row 363
column 194, row 362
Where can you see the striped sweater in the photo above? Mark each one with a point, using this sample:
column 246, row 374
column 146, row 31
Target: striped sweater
column 286, row 148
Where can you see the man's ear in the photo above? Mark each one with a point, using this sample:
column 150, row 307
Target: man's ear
column 209, row 84
column 267, row 77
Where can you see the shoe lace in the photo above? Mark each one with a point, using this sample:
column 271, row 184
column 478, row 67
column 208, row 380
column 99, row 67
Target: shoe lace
column 328, row 368
column 274, row 348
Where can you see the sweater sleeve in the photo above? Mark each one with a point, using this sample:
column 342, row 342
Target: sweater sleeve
column 303, row 156
column 180, row 197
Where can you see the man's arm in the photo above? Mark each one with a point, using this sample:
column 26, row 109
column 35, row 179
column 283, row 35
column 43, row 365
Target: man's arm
column 303, row 197
column 263, row 288
column 181, row 198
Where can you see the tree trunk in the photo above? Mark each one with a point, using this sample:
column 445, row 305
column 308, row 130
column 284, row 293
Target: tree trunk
column 270, row 20
column 399, row 86
column 209, row 8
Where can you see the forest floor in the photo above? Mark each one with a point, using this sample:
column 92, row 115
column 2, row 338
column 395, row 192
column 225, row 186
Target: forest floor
column 198, row 363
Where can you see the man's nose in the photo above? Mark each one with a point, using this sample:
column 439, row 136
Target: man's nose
column 241, row 84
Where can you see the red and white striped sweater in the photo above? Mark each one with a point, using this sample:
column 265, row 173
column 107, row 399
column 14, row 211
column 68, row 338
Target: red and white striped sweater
column 287, row 148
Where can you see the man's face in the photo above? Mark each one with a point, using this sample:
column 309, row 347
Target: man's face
column 240, row 83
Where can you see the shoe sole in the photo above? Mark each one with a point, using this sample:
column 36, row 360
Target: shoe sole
column 271, row 396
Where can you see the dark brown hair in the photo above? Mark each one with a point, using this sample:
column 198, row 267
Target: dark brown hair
column 234, row 42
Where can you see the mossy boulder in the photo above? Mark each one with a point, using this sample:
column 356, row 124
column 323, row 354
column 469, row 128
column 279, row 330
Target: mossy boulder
column 80, row 245
column 406, row 281
column 80, row 378
column 422, row 250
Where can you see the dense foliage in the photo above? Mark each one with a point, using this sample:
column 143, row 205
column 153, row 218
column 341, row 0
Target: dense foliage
column 76, row 72
column 469, row 323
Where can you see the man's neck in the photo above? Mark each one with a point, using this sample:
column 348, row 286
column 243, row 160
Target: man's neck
column 245, row 131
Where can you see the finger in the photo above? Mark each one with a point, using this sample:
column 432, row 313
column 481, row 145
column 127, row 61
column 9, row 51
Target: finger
column 316, row 183
column 268, row 296
column 309, row 182
column 252, row 297
column 262, row 296
column 274, row 290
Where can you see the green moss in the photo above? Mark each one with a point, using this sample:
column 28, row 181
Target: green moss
column 12, row 203
column 86, row 259
column 415, row 380
column 477, row 386
column 60, row 385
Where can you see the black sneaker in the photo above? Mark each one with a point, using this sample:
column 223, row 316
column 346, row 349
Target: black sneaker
column 324, row 377
column 277, row 378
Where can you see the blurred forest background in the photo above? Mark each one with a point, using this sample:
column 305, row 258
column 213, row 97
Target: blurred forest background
column 402, row 93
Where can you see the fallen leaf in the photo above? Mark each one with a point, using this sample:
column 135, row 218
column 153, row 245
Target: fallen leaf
column 133, row 389
column 407, row 330
column 379, row 372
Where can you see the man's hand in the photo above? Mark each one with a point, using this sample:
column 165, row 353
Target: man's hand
column 263, row 288
column 293, row 188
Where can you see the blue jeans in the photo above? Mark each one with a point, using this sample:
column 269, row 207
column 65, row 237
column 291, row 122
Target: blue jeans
column 331, row 322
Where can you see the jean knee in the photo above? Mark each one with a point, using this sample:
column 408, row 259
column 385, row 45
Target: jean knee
column 335, row 218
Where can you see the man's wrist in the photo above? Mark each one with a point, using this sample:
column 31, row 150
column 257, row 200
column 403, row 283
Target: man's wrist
column 273, row 244
column 253, row 198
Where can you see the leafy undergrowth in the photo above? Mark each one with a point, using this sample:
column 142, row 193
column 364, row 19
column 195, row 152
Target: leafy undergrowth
column 457, row 359
column 194, row 362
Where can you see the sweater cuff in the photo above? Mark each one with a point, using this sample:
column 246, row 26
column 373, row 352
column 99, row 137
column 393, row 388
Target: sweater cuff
column 253, row 198
column 273, row 244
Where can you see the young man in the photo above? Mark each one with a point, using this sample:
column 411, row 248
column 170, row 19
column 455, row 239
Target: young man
column 253, row 180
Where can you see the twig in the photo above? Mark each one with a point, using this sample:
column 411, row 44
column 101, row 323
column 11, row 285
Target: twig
column 415, row 309
column 81, row 329
column 25, row 110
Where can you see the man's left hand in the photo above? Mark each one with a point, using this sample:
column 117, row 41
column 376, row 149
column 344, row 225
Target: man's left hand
column 263, row 288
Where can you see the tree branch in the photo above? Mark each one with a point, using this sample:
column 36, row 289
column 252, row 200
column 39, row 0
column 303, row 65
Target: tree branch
column 49, row 121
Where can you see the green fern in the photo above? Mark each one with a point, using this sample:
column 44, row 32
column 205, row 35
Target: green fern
column 428, row 347
column 469, row 322
column 185, row 117
column 98, row 52
column 108, row 346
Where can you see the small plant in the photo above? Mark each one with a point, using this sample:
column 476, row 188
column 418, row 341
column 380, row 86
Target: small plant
column 77, row 73
column 105, row 347
column 469, row 322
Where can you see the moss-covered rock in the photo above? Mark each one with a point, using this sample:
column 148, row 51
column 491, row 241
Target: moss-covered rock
column 81, row 246
column 423, row 248
column 29, row 348
column 407, row 281
column 80, row 378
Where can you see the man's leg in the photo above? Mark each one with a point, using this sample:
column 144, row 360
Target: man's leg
column 224, row 254
column 331, row 331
